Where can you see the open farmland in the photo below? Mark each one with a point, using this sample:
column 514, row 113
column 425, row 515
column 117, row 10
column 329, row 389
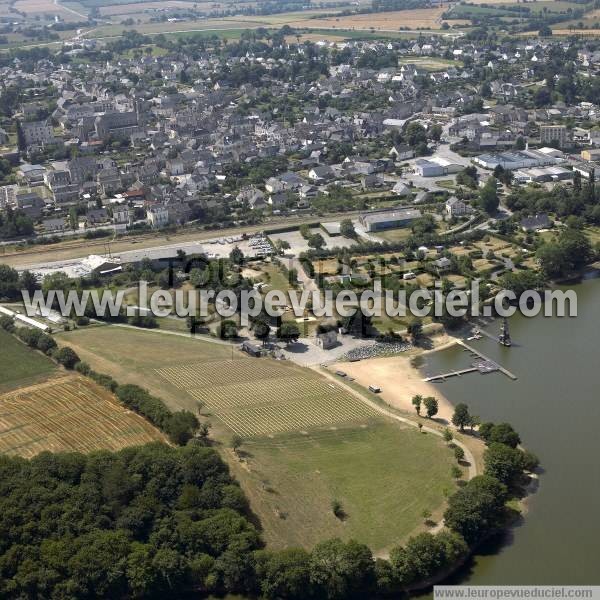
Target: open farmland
column 306, row 439
column 268, row 396
column 39, row 7
column 20, row 365
column 71, row 414
column 429, row 18
column 249, row 396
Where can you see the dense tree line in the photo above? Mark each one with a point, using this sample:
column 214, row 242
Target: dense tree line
column 143, row 522
column 14, row 223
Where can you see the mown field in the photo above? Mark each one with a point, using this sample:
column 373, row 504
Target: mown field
column 68, row 414
column 20, row 365
column 249, row 397
column 383, row 475
column 306, row 441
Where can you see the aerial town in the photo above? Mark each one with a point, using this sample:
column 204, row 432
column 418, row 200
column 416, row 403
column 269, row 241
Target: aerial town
column 326, row 151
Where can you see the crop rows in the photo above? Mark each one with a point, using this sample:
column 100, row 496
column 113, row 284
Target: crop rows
column 69, row 414
column 269, row 390
column 210, row 373
column 261, row 397
column 296, row 414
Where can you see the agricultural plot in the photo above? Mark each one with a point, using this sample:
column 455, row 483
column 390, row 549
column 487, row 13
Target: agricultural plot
column 69, row 414
column 430, row 18
column 267, row 397
column 20, row 365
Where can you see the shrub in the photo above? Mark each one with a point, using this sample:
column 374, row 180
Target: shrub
column 46, row 343
column 7, row 323
column 83, row 368
column 139, row 400
column 67, row 357
column 104, row 380
column 180, row 427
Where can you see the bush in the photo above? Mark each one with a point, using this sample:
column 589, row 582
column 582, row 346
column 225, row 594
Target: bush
column 503, row 433
column 46, row 343
column 83, row 368
column 139, row 400
column 104, row 380
column 29, row 335
column 181, row 426
column 7, row 323
column 67, row 357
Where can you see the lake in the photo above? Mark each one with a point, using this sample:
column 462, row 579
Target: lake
column 555, row 406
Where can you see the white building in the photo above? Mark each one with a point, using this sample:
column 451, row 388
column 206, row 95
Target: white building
column 157, row 217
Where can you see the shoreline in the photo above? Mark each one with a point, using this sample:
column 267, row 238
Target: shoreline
column 399, row 380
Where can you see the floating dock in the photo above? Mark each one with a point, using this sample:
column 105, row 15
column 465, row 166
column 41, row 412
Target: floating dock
column 483, row 365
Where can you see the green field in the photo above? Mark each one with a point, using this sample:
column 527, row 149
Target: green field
column 384, row 475
column 132, row 356
column 306, row 440
column 249, row 396
column 395, row 235
column 20, row 365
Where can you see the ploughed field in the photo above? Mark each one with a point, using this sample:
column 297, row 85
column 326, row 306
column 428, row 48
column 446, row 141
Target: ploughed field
column 68, row 414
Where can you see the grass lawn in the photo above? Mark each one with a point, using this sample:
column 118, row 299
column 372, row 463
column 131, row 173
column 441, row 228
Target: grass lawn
column 384, row 475
column 394, row 235
column 275, row 278
column 20, row 365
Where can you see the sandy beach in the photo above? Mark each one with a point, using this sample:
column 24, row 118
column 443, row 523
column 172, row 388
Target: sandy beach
column 399, row 380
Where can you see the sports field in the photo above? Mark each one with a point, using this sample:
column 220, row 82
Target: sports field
column 20, row 365
column 68, row 414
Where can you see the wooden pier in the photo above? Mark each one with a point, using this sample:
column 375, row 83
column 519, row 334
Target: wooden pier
column 487, row 359
column 484, row 365
column 444, row 376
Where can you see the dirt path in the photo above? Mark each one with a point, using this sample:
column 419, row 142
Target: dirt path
column 472, row 470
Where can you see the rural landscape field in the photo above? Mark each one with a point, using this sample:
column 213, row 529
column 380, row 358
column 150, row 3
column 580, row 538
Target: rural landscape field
column 43, row 408
column 68, row 414
column 305, row 440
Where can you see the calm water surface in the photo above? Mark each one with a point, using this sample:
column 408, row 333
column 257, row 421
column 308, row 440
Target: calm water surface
column 555, row 406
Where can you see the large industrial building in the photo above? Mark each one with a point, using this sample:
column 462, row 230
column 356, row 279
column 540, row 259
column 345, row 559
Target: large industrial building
column 388, row 219
column 523, row 159
column 436, row 167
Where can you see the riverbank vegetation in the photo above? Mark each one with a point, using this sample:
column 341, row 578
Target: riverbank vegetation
column 159, row 520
